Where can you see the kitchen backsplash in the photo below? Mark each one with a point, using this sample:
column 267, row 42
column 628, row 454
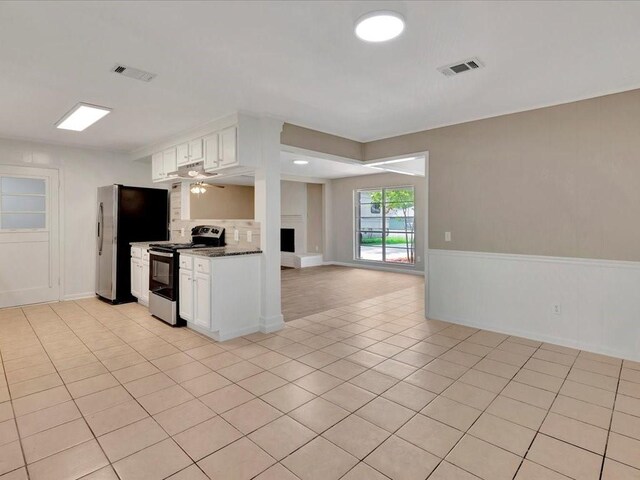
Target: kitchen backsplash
column 242, row 226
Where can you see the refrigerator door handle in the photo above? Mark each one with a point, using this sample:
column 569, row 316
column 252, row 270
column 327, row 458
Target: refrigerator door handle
column 101, row 227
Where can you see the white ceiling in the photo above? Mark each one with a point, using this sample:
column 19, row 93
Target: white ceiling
column 299, row 61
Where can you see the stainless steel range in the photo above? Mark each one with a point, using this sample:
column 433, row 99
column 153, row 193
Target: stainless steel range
column 163, row 271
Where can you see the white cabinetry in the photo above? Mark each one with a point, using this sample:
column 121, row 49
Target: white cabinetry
column 211, row 156
column 136, row 271
column 195, row 292
column 185, row 289
column 190, row 152
column 157, row 167
column 220, row 296
column 228, row 149
column 231, row 147
column 202, row 300
column 144, row 281
column 140, row 274
column 221, row 149
column 169, row 157
column 163, row 163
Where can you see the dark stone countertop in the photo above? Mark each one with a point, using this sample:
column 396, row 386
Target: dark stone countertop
column 146, row 244
column 228, row 251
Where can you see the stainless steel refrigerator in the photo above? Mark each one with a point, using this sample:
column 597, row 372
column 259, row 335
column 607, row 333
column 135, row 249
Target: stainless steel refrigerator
column 125, row 215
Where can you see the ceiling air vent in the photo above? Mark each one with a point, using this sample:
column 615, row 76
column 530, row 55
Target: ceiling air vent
column 133, row 73
column 461, row 67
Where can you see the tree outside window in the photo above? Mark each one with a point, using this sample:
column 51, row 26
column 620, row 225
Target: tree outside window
column 385, row 225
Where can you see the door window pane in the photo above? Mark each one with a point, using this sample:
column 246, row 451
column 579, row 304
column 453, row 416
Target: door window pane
column 23, row 203
column 17, row 185
column 385, row 225
column 22, row 220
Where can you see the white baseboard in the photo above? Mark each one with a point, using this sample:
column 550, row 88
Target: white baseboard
column 514, row 294
column 271, row 324
column 300, row 260
column 381, row 268
column 78, row 296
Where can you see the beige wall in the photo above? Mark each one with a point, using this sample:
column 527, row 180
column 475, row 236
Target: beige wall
column 342, row 238
column 301, row 137
column 559, row 181
column 230, row 202
column 315, row 214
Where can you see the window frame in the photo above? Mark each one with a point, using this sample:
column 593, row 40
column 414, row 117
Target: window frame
column 357, row 207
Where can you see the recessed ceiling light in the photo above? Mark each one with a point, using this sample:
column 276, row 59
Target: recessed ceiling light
column 379, row 26
column 82, row 116
column 301, row 162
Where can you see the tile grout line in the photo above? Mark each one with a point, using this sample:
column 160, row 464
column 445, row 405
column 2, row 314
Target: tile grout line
column 613, row 412
column 70, row 395
column 134, row 398
column 15, row 419
column 334, row 340
column 545, row 416
column 483, row 411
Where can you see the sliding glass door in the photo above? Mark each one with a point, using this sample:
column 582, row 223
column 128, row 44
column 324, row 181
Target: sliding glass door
column 385, row 225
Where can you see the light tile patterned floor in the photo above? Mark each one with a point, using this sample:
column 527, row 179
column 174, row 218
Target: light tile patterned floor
column 364, row 391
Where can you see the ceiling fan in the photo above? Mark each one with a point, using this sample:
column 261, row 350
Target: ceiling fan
column 201, row 187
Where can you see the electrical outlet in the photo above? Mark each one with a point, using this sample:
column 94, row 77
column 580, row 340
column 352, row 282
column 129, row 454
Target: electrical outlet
column 249, row 236
column 182, row 232
column 419, row 259
column 317, row 248
column 447, row 236
column 556, row 309
column 236, row 235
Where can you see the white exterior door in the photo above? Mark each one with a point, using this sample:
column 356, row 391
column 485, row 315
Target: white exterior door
column 29, row 236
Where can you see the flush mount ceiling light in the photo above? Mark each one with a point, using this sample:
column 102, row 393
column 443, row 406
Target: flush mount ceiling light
column 82, row 116
column 380, row 26
column 301, row 162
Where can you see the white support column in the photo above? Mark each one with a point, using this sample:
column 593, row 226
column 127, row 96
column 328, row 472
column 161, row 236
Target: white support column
column 267, row 212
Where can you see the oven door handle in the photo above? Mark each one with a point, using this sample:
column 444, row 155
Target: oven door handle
column 160, row 254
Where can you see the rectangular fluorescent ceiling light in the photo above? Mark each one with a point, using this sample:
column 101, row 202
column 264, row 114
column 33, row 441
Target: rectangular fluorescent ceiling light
column 82, row 116
column 387, row 162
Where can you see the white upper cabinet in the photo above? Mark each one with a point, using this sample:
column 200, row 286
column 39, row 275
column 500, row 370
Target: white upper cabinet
column 228, row 150
column 190, row 152
column 157, row 167
column 211, row 156
column 196, row 152
column 169, row 158
column 221, row 149
column 183, row 154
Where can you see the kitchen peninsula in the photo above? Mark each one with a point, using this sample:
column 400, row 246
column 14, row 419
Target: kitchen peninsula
column 220, row 291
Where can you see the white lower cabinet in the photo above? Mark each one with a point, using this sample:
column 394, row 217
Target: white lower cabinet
column 136, row 271
column 202, row 300
column 136, row 277
column 185, row 289
column 140, row 274
column 220, row 296
column 144, row 289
